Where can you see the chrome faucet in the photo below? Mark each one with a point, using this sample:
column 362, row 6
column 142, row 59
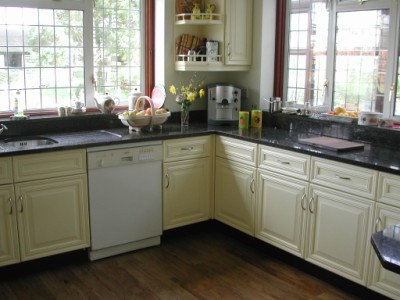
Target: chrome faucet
column 2, row 128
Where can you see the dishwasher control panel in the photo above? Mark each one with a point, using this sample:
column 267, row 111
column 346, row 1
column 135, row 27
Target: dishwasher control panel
column 125, row 156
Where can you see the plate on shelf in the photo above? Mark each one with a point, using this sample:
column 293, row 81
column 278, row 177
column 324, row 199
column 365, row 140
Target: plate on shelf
column 158, row 96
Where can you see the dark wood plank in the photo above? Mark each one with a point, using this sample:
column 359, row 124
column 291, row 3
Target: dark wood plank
column 197, row 262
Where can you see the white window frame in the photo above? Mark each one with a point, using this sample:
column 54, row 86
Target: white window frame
column 336, row 6
column 87, row 7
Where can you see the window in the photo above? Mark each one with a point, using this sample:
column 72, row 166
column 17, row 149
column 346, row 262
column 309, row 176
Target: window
column 57, row 52
column 342, row 53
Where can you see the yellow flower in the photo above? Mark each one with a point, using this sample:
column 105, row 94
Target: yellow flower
column 191, row 96
column 189, row 92
column 172, row 89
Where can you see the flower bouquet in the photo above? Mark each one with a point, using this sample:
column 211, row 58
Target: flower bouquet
column 186, row 95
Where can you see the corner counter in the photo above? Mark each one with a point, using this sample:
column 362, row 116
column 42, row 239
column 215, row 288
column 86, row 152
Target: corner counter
column 386, row 244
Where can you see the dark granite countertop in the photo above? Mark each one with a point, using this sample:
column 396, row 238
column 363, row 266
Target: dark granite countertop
column 386, row 244
column 372, row 156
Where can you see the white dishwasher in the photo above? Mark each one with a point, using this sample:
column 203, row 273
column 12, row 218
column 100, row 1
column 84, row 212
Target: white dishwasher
column 125, row 197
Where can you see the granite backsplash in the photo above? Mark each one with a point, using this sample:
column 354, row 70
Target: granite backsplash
column 312, row 126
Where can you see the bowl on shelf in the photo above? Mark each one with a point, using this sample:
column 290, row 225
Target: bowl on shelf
column 369, row 118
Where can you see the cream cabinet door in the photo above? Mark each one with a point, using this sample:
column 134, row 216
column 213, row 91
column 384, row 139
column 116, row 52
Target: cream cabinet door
column 235, row 194
column 238, row 32
column 9, row 245
column 381, row 280
column 281, row 211
column 339, row 231
column 52, row 216
column 187, row 196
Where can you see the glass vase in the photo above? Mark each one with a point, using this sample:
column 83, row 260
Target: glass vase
column 184, row 115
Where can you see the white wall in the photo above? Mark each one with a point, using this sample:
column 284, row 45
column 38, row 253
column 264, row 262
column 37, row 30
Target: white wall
column 258, row 81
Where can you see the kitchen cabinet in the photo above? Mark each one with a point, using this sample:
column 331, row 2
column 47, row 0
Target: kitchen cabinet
column 304, row 208
column 9, row 245
column 387, row 214
column 340, row 215
column 338, row 232
column 230, row 25
column 47, row 205
column 238, row 32
column 282, row 197
column 188, row 181
column 235, row 183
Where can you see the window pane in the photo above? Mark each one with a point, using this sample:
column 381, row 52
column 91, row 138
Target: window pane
column 36, row 57
column 361, row 60
column 117, row 46
column 308, row 35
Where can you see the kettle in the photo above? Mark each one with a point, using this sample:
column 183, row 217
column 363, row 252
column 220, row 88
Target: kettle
column 106, row 103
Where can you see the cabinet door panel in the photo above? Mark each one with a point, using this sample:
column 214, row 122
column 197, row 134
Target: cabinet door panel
column 239, row 28
column 9, row 246
column 234, row 194
column 280, row 212
column 187, row 192
column 380, row 279
column 339, row 232
column 6, row 175
column 52, row 216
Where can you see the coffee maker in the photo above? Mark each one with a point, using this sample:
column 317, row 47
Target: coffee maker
column 223, row 104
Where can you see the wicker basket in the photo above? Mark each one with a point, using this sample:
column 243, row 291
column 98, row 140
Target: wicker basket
column 136, row 123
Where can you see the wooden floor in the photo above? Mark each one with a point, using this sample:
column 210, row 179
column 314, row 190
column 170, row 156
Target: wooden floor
column 195, row 263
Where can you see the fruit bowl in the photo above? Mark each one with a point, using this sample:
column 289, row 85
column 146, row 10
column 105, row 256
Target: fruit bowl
column 142, row 117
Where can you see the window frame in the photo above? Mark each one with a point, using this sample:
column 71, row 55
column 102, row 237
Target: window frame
column 148, row 11
column 281, row 51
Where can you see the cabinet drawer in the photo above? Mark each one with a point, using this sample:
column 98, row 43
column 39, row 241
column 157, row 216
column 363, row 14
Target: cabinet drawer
column 6, row 170
column 49, row 165
column 233, row 149
column 187, row 148
column 284, row 162
column 344, row 177
column 389, row 189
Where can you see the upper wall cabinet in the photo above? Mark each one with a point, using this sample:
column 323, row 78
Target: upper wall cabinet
column 213, row 35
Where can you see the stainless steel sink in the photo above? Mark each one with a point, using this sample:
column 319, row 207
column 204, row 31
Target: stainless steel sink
column 33, row 141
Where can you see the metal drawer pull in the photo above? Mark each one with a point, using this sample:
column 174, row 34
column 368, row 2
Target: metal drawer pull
column 11, row 205
column 22, row 204
column 377, row 223
column 284, row 162
column 252, row 186
column 187, row 148
column 167, row 177
column 303, row 204
column 341, row 177
column 311, row 205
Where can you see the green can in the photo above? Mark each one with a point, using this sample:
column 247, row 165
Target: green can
column 244, row 119
column 256, row 118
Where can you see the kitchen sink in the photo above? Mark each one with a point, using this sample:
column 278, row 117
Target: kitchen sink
column 32, row 141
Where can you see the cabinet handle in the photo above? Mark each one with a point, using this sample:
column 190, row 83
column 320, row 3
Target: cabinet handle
column 229, row 50
column 377, row 223
column 342, row 177
column 252, row 186
column 167, row 178
column 11, row 205
column 284, row 162
column 22, row 204
column 186, row 148
column 311, row 205
column 303, row 203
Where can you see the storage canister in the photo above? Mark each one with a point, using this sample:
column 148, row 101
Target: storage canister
column 243, row 119
column 256, row 118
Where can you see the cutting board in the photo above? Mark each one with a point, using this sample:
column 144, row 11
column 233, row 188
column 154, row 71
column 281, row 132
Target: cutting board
column 332, row 144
